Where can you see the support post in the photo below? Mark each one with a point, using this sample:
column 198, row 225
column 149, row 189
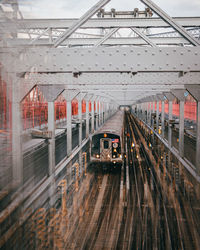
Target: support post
column 157, row 116
column 181, row 128
column 194, row 90
column 169, row 126
column 92, row 116
column 17, row 155
column 52, row 163
column 163, row 119
column 69, row 127
column 87, row 118
column 180, row 95
column 80, row 120
column 69, row 95
column 170, row 98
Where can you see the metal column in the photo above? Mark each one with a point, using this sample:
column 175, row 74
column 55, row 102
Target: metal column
column 181, row 128
column 194, row 89
column 180, row 94
column 80, row 120
column 69, row 127
column 157, row 116
column 92, row 118
column 163, row 119
column 17, row 156
column 87, row 118
column 51, row 127
column 169, row 126
column 69, row 95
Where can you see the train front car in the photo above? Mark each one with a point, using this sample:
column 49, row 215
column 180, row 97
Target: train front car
column 106, row 143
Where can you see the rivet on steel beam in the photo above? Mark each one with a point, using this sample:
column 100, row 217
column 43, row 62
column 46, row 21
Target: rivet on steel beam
column 110, row 64
column 61, row 51
column 153, row 54
column 124, row 54
column 68, row 65
column 167, row 54
column 110, row 54
column 124, row 64
column 82, row 64
column 82, row 54
column 138, row 64
column 75, row 51
column 131, row 50
column 160, row 50
column 138, row 54
column 117, row 50
column 103, row 51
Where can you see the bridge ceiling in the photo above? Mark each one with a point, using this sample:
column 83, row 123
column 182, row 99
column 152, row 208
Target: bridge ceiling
column 124, row 57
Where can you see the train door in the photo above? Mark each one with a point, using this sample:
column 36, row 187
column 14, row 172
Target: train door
column 105, row 149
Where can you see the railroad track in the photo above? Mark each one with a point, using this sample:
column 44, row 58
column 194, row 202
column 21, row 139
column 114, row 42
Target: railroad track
column 167, row 217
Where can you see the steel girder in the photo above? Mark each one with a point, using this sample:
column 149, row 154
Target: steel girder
column 176, row 41
column 143, row 80
column 110, row 60
column 96, row 23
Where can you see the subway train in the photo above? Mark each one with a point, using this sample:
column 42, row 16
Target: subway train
column 106, row 144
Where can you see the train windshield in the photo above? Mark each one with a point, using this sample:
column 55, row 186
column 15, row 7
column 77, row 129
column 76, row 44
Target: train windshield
column 106, row 144
column 95, row 147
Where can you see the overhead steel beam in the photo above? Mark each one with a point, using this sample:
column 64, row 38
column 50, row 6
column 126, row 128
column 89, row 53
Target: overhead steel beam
column 144, row 37
column 109, row 60
column 171, row 22
column 176, row 41
column 108, row 35
column 95, row 23
column 81, row 21
column 88, row 80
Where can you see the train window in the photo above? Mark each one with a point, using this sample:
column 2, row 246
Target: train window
column 106, row 144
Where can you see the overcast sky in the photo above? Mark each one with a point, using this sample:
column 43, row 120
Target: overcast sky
column 76, row 8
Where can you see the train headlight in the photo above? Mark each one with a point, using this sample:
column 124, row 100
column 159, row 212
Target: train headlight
column 120, row 156
column 97, row 156
column 114, row 156
column 133, row 145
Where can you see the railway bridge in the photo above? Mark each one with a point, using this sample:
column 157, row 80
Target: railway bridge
column 60, row 81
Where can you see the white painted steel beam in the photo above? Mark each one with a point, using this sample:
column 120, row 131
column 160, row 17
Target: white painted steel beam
column 92, row 81
column 171, row 22
column 195, row 92
column 110, row 60
column 176, row 41
column 69, row 95
column 180, row 95
column 144, row 37
column 170, row 98
column 106, row 37
column 80, row 22
column 152, row 22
